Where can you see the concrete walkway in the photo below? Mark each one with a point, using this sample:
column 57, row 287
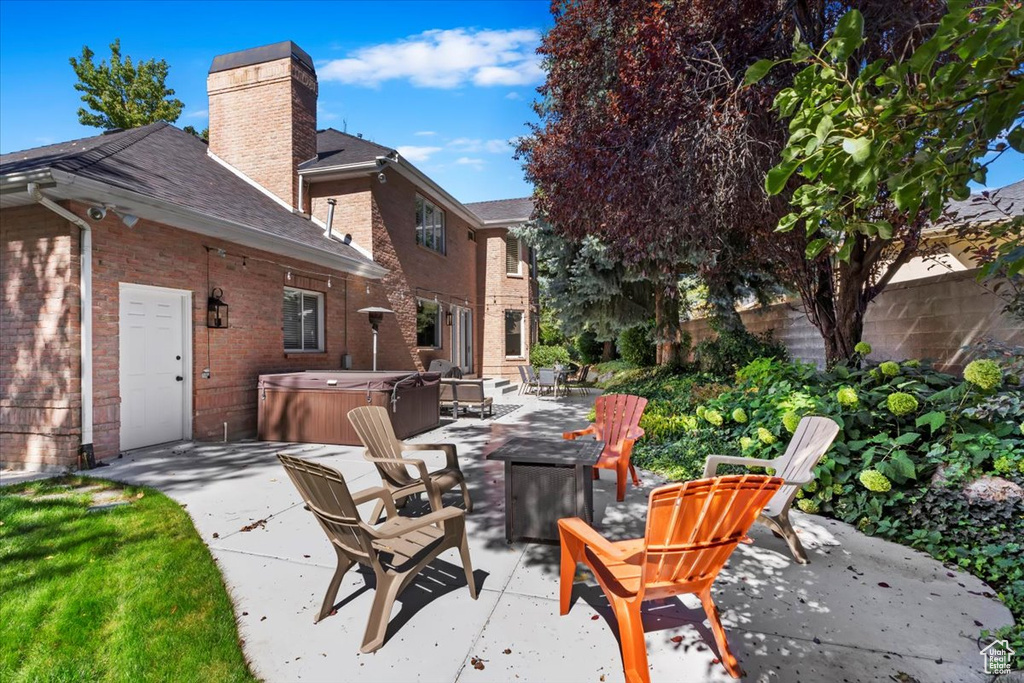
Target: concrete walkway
column 863, row 610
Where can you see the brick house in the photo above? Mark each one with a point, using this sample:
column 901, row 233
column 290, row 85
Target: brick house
column 112, row 247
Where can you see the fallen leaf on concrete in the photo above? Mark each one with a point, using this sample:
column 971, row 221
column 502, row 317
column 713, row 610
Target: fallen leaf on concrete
column 216, row 535
column 676, row 639
column 883, row 584
column 477, row 663
column 508, row 651
column 245, row 614
column 258, row 524
column 263, row 618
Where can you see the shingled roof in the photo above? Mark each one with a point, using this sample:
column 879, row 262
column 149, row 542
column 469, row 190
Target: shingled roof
column 334, row 148
column 503, row 210
column 990, row 205
column 162, row 162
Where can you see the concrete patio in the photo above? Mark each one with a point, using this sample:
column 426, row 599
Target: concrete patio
column 864, row 609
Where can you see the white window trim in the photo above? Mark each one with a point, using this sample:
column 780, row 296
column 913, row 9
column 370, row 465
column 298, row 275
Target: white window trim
column 439, row 334
column 519, row 257
column 522, row 334
column 443, row 251
column 320, row 318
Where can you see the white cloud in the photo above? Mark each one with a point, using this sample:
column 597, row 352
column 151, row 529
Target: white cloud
column 425, row 133
column 476, row 145
column 417, row 154
column 513, row 96
column 444, row 59
column 198, row 114
column 477, row 164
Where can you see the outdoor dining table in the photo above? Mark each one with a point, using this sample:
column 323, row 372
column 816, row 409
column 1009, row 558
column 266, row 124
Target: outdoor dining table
column 546, row 480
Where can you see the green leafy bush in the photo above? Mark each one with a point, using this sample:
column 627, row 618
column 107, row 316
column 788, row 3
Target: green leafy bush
column 636, row 346
column 542, row 356
column 733, row 349
column 589, row 348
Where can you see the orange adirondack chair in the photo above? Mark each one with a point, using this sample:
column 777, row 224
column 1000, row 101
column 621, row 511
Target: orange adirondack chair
column 692, row 529
column 617, row 423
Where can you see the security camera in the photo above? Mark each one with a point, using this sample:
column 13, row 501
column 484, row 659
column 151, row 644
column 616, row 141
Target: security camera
column 381, row 178
column 97, row 213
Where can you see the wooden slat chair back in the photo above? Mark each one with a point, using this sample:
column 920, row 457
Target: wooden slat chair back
column 385, row 450
column 692, row 529
column 811, row 440
column 396, row 550
column 617, row 423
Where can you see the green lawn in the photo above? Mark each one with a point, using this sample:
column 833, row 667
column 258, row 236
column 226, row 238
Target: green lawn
column 129, row 593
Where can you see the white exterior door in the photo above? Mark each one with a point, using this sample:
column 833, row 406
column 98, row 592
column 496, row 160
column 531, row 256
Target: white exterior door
column 155, row 331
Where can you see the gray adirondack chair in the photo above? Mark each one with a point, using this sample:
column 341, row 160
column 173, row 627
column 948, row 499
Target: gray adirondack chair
column 396, row 550
column 810, row 442
column 385, row 450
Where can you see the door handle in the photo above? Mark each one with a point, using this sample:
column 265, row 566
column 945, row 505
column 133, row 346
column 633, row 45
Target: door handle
column 179, row 378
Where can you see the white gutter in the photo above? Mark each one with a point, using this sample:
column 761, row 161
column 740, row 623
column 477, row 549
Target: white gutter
column 85, row 311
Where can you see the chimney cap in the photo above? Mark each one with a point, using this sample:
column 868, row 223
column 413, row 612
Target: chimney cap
column 259, row 55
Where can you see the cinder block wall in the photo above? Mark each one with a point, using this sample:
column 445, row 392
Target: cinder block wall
column 40, row 394
column 928, row 318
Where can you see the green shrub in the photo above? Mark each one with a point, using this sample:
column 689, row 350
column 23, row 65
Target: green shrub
column 984, row 374
column 636, row 346
column 542, row 356
column 589, row 348
column 733, row 349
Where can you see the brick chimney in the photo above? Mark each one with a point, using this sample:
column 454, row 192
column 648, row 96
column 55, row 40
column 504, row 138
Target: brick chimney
column 263, row 114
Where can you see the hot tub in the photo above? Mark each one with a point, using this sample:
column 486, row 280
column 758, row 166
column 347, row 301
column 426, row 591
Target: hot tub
column 312, row 407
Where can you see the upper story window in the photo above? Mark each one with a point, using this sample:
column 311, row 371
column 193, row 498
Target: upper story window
column 303, row 320
column 428, row 324
column 513, row 255
column 430, row 225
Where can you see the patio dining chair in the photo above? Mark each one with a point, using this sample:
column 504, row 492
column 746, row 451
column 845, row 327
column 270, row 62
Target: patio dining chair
column 692, row 529
column 396, row 550
column 617, row 423
column 525, row 383
column 811, row 440
column 547, row 379
column 384, row 450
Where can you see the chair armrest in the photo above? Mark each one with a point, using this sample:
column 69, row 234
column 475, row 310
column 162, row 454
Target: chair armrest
column 635, row 433
column 418, row 464
column 450, row 451
column 579, row 432
column 574, row 526
column 360, row 497
column 438, row 516
column 713, row 461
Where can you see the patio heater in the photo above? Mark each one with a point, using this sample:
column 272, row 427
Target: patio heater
column 376, row 315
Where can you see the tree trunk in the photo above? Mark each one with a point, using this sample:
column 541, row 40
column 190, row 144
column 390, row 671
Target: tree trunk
column 607, row 351
column 668, row 332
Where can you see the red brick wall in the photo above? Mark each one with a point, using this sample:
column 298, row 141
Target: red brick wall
column 40, row 396
column 263, row 122
column 39, row 392
column 414, row 271
column 500, row 292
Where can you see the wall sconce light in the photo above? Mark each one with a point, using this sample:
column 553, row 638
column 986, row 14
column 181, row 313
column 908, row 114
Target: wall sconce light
column 448, row 318
column 216, row 309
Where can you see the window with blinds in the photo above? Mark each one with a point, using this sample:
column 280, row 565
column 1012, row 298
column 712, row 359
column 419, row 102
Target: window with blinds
column 303, row 320
column 512, row 255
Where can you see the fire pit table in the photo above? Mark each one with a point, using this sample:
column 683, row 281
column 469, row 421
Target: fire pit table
column 546, row 480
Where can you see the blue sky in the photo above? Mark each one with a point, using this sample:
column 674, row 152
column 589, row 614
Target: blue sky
column 447, row 83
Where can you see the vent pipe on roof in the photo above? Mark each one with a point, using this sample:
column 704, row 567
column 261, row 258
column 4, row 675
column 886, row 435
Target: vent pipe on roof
column 330, row 217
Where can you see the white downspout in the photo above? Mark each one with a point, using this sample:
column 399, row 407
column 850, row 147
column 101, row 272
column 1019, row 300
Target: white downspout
column 85, row 309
